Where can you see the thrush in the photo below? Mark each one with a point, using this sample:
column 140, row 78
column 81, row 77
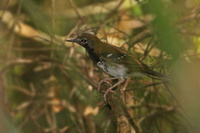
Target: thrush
column 114, row 61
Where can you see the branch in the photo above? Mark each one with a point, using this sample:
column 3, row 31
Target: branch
column 138, row 38
column 27, row 31
column 96, row 9
column 76, row 10
column 120, row 112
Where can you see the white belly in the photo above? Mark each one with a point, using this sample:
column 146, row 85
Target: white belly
column 118, row 70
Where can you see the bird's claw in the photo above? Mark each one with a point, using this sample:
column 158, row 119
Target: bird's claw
column 106, row 81
column 106, row 92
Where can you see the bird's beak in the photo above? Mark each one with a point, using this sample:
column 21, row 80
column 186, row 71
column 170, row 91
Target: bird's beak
column 71, row 40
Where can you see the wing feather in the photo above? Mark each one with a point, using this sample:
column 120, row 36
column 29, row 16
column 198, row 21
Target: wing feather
column 120, row 56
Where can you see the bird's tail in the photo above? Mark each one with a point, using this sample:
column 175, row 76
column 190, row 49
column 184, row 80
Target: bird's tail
column 157, row 74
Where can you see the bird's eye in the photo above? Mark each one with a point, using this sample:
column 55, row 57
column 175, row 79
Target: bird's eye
column 84, row 40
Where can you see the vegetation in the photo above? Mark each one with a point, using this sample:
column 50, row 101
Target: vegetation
column 48, row 85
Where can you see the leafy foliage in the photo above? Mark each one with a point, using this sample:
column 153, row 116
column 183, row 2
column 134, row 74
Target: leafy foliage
column 48, row 85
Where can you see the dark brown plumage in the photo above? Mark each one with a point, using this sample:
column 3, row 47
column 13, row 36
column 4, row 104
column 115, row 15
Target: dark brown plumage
column 113, row 60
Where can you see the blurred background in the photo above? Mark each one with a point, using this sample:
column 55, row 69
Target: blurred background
column 50, row 86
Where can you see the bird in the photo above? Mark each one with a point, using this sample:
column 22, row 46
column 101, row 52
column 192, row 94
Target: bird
column 113, row 60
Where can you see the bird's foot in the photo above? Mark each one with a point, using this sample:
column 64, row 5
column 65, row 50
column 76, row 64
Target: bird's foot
column 110, row 89
column 106, row 80
column 106, row 92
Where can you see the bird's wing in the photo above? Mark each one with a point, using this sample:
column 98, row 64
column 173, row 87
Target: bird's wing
column 119, row 56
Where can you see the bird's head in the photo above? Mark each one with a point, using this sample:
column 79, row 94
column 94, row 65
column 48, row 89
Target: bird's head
column 86, row 40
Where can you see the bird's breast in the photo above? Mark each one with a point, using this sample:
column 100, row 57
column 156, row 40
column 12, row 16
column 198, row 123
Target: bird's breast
column 116, row 70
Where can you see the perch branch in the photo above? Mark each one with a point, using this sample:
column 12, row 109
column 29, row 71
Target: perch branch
column 120, row 112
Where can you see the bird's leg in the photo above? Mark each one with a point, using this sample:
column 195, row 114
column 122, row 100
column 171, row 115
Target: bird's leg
column 125, row 85
column 123, row 88
column 110, row 89
column 105, row 80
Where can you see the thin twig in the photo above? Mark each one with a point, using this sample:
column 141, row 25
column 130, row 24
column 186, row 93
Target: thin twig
column 76, row 10
column 4, row 10
column 138, row 38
